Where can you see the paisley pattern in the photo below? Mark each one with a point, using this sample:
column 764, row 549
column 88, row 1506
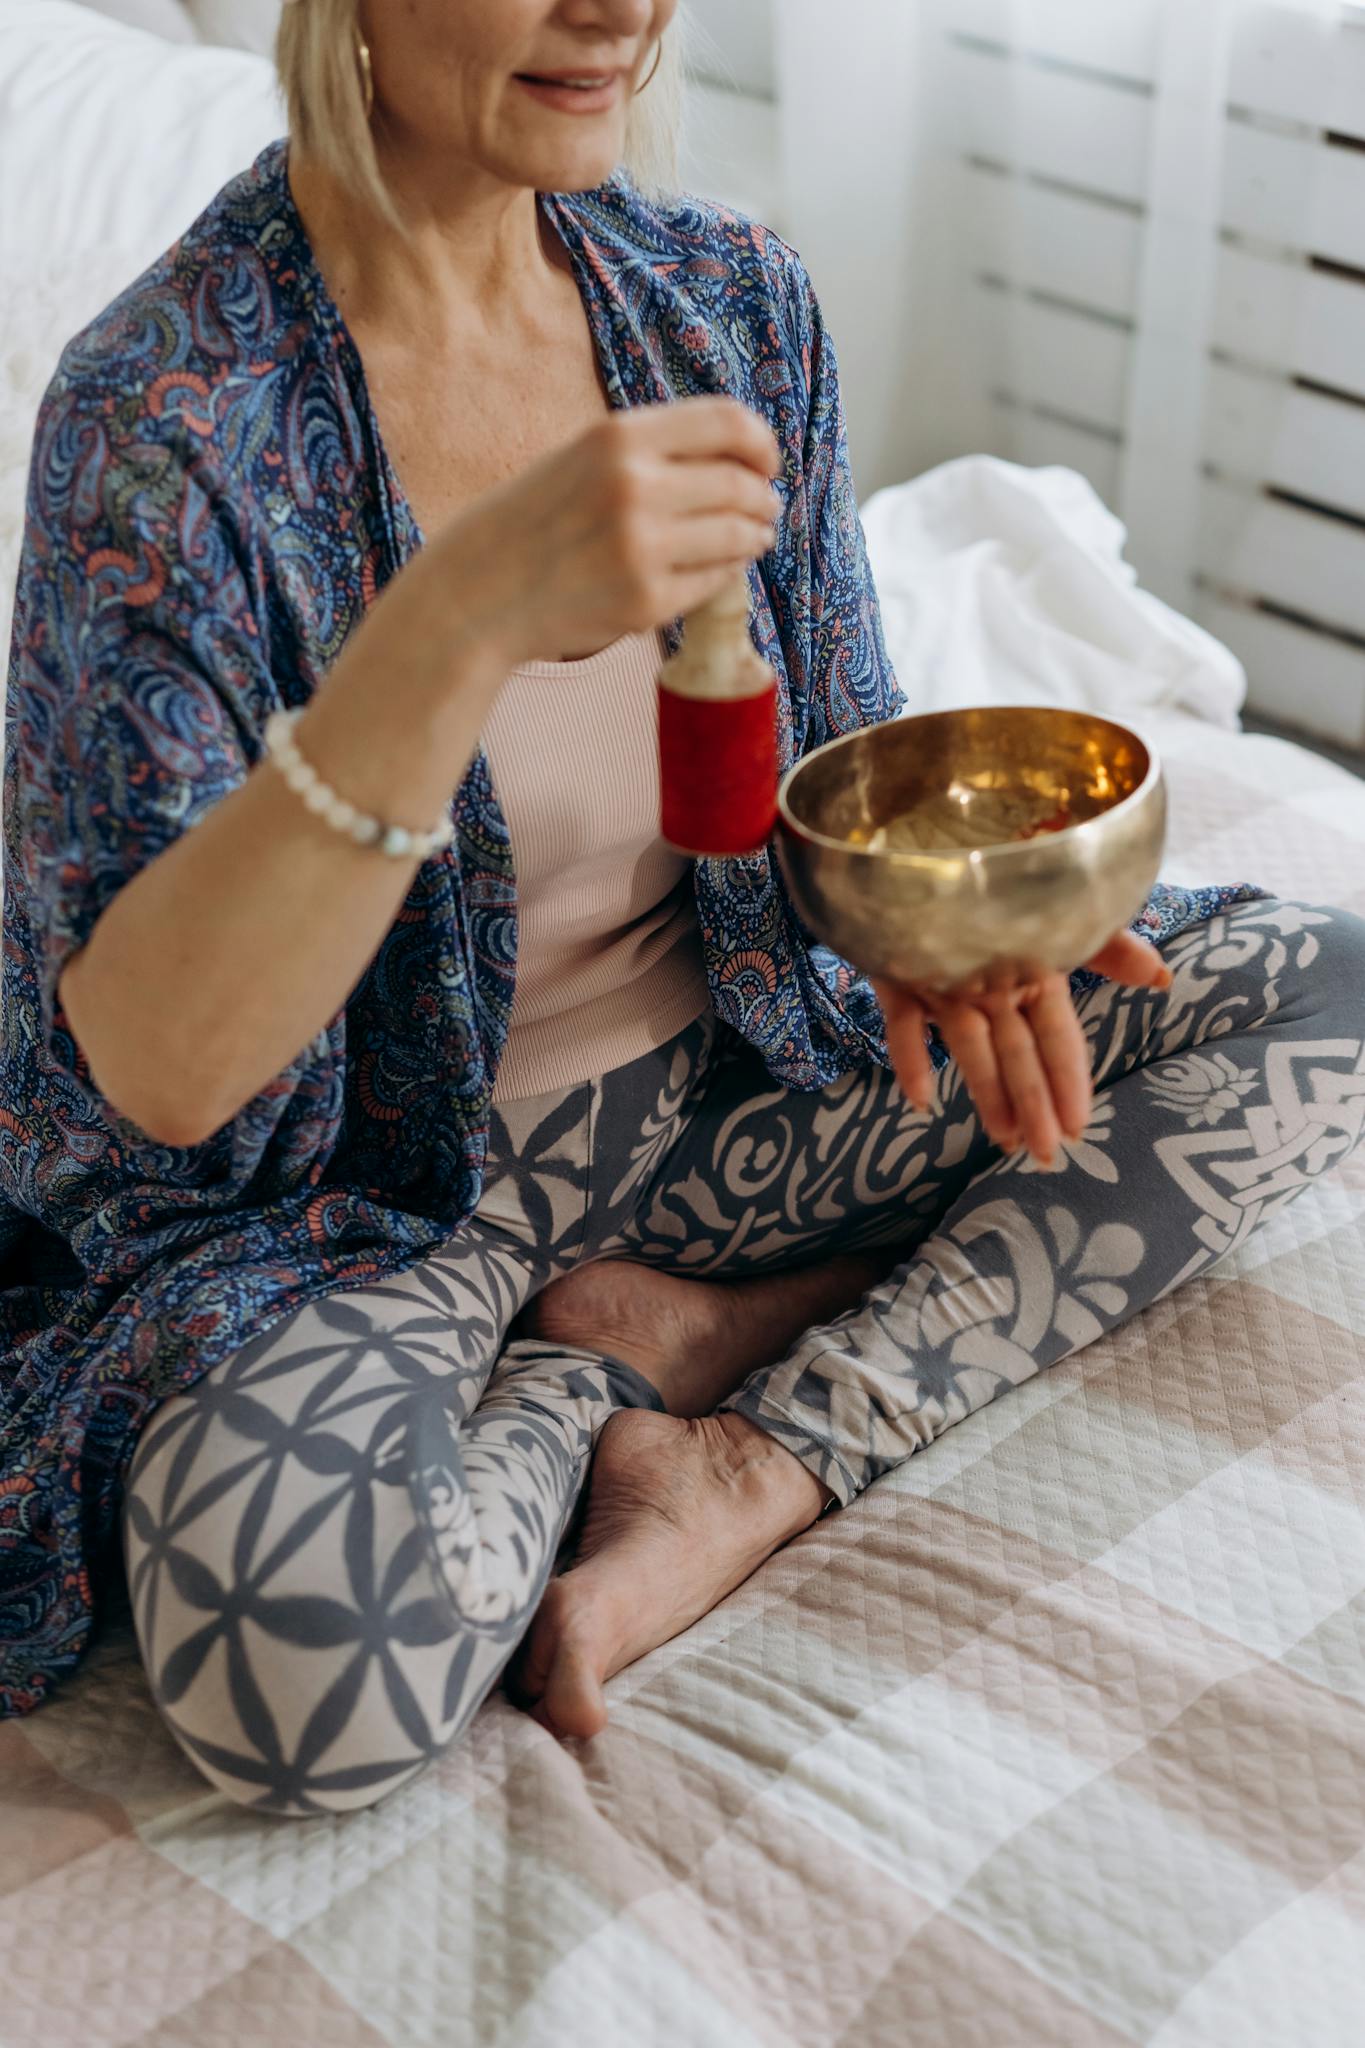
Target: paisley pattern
column 336, row 1540
column 210, row 510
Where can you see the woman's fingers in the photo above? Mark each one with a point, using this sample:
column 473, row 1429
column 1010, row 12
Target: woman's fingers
column 722, row 537
column 905, row 1041
column 692, row 587
column 1062, row 1048
column 687, row 488
column 968, row 1034
column 1133, row 961
column 709, row 425
column 702, row 543
column 1022, row 1055
column 1025, row 1080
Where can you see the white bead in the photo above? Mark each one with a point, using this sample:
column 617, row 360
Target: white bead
column 324, row 802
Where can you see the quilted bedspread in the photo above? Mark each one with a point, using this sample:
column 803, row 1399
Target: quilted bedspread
column 1055, row 1736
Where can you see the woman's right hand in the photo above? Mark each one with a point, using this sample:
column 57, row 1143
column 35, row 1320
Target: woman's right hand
column 636, row 521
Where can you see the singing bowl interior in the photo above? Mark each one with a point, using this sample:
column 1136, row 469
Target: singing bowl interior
column 947, row 915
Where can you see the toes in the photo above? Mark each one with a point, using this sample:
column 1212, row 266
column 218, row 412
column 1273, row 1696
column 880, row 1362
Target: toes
column 574, row 1703
column 518, row 1684
column 524, row 1679
column 555, row 1674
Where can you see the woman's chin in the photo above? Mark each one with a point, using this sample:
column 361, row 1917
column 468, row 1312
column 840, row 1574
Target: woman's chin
column 579, row 166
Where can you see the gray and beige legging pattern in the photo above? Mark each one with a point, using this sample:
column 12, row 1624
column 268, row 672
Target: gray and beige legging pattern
column 335, row 1540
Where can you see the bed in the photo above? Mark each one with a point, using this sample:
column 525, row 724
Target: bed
column 1055, row 1736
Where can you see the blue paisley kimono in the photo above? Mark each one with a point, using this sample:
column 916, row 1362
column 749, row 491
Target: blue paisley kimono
column 210, row 511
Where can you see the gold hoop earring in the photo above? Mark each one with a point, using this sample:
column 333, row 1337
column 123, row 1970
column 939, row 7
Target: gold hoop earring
column 366, row 70
column 658, row 59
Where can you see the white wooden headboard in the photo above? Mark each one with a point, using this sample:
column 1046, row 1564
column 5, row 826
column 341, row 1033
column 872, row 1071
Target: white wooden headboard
column 1054, row 241
column 1234, row 445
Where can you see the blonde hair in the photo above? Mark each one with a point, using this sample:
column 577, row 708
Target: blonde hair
column 316, row 57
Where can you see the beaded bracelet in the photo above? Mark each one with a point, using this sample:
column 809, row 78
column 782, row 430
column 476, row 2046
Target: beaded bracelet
column 334, row 810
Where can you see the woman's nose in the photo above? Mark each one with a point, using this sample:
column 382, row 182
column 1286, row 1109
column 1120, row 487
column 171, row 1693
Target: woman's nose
column 617, row 17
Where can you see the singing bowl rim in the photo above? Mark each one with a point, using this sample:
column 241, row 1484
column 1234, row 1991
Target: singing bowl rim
column 934, row 857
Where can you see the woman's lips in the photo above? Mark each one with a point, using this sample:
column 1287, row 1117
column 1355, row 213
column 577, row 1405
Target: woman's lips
column 572, row 99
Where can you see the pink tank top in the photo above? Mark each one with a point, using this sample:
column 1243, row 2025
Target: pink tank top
column 609, row 955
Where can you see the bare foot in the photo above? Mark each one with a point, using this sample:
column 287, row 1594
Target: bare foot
column 680, row 1512
column 695, row 1340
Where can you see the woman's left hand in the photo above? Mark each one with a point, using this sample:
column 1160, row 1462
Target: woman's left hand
column 1021, row 1049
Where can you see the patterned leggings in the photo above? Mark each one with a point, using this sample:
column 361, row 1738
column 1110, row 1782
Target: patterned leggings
column 335, row 1540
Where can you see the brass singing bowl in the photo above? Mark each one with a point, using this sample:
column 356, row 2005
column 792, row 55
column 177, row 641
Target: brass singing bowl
column 960, row 916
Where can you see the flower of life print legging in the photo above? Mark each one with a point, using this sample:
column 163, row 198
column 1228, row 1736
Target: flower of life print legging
column 336, row 1539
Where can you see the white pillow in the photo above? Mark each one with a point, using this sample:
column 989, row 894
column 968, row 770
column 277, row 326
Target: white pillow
column 111, row 141
column 243, row 24
column 111, row 135
column 235, row 24
column 165, row 18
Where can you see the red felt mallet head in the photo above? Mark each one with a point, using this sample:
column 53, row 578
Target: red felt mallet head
column 718, row 733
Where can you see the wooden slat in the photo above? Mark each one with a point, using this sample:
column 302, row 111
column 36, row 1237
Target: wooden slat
column 1075, row 256
column 1281, row 63
column 1289, row 319
column 1298, row 194
column 1281, row 66
column 1273, row 315
column 1023, row 437
column 1303, row 195
column 1071, row 247
column 1273, row 312
column 1264, row 432
column 1074, row 366
column 1299, row 560
column 1259, row 429
column 1295, row 677
column 1119, row 36
column 1072, row 129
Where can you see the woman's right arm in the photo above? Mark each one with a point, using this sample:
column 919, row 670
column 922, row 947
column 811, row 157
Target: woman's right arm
column 233, row 948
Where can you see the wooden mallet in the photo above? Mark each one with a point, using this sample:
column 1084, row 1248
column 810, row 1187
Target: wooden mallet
column 718, row 733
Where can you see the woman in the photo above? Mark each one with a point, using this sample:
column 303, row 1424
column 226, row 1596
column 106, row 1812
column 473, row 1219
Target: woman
column 361, row 1187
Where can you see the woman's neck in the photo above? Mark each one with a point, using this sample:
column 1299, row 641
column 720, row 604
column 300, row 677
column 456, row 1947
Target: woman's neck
column 476, row 256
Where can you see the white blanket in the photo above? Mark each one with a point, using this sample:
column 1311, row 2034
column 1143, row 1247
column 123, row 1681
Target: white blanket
column 1002, row 585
